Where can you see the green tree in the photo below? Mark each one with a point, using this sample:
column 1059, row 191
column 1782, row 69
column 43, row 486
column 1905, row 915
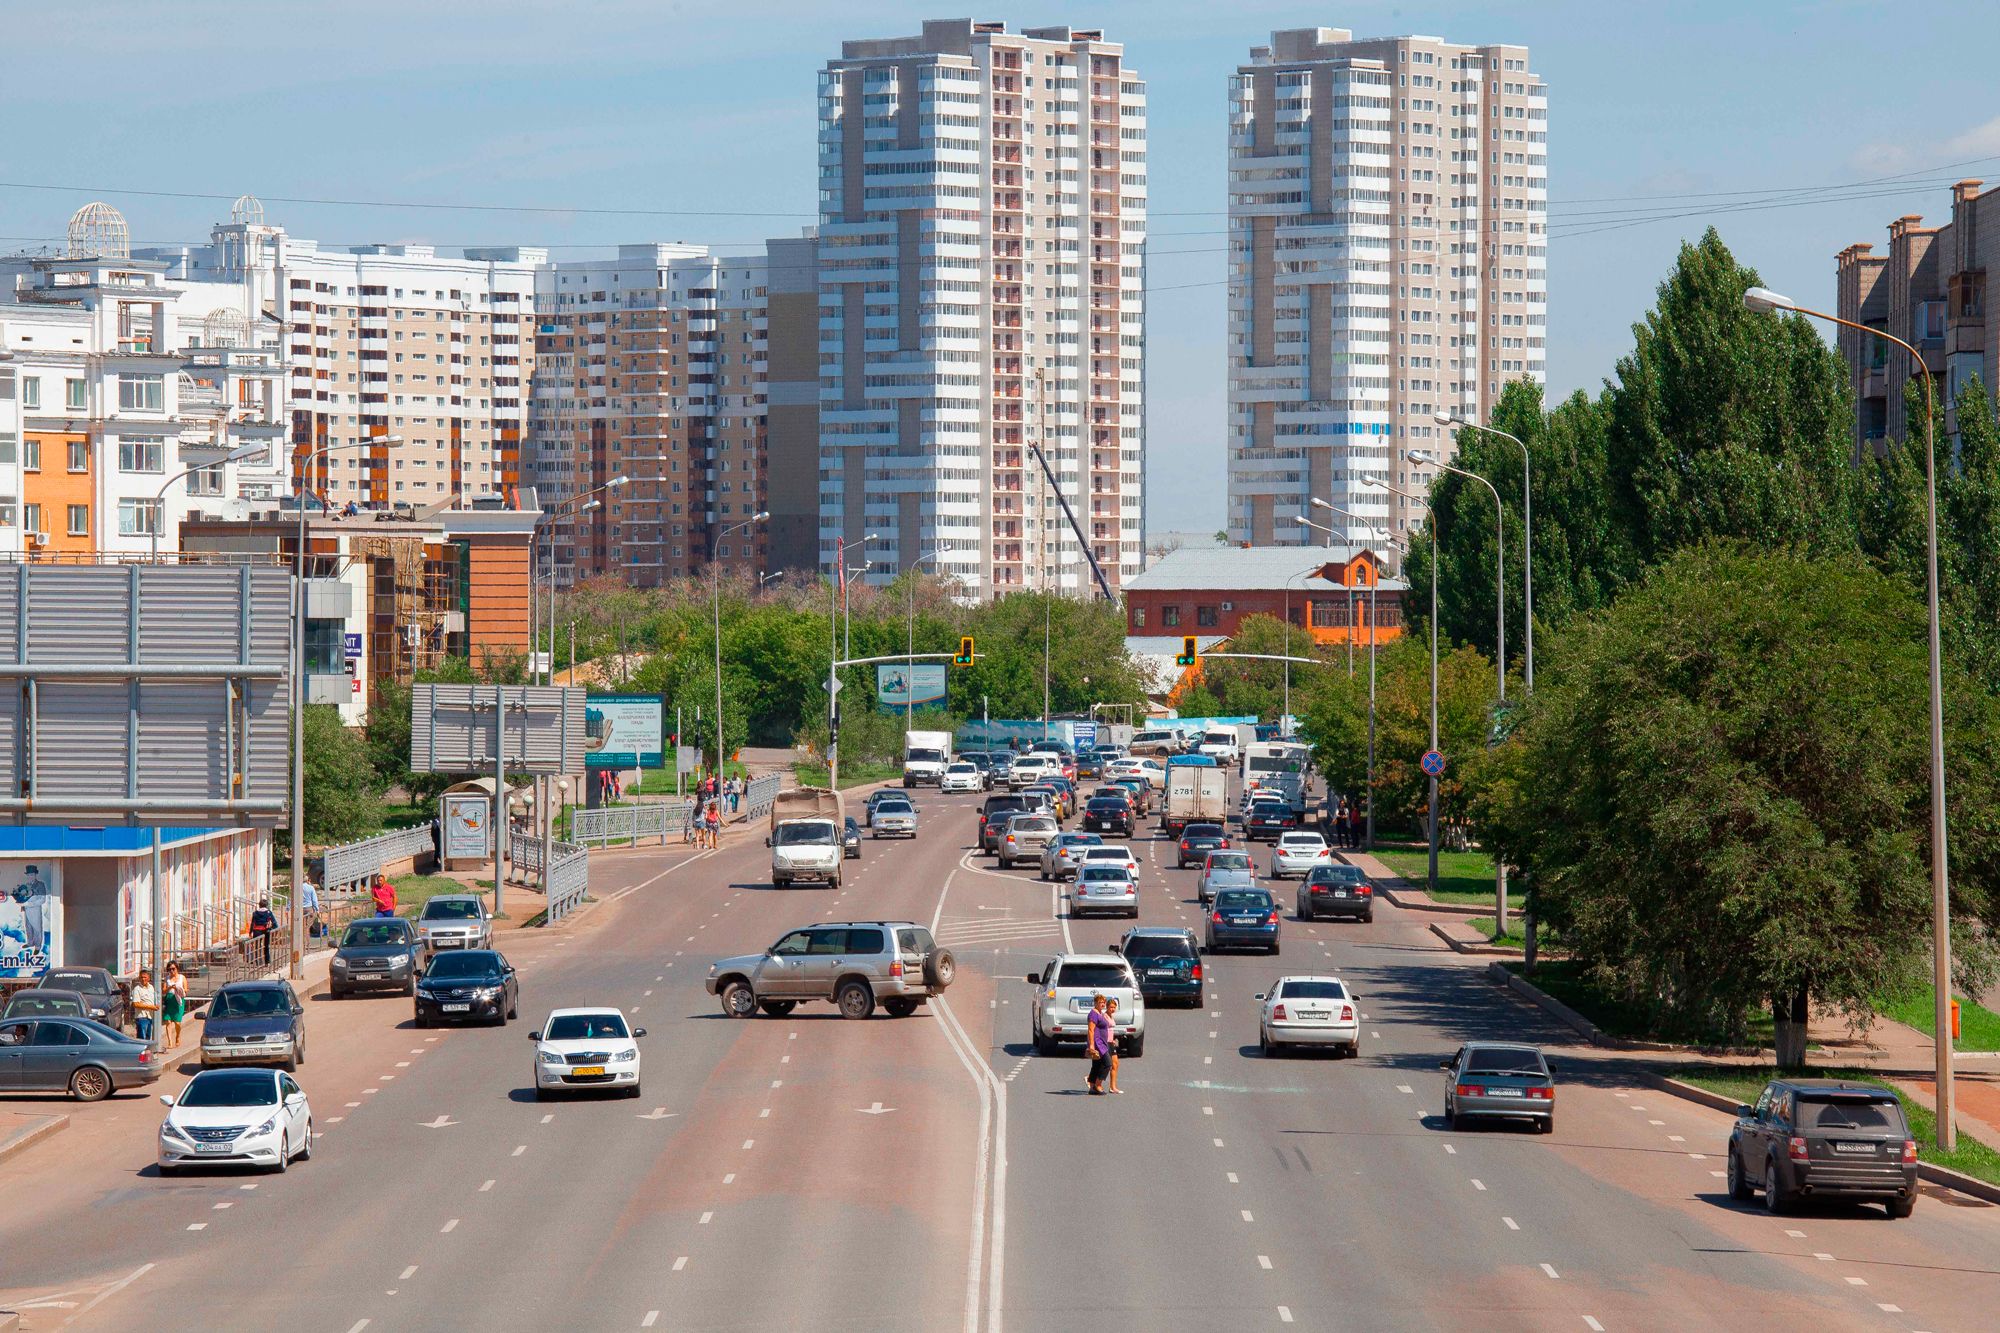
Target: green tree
column 1257, row 689
column 343, row 794
column 1720, row 790
column 1334, row 718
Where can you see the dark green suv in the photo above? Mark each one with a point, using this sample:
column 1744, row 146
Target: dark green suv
column 1812, row 1138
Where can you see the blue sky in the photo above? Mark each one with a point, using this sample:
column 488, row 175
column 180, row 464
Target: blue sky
column 706, row 111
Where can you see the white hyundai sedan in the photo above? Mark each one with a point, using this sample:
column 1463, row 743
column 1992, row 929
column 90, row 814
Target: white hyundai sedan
column 1310, row 1011
column 586, row 1048
column 236, row 1117
column 961, row 777
column 1298, row 853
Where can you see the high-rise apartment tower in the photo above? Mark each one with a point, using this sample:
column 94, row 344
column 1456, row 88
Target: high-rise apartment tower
column 1388, row 248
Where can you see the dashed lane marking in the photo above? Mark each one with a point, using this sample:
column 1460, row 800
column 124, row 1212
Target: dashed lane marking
column 197, row 1226
column 520, row 1149
column 1479, row 1185
column 487, row 1187
column 226, row 1203
column 1246, row 1215
column 729, row 1179
column 705, row 1219
column 452, row 1225
column 1512, row 1225
column 550, row 1116
column 1550, row 1269
column 1453, row 1151
column 408, row 1273
column 748, row 1144
column 652, row 1318
column 1263, row 1261
column 1588, row 1322
column 1284, row 1314
column 1232, row 1178
column 680, row 1263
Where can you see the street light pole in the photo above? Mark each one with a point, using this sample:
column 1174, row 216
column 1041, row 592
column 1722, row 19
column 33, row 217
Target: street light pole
column 1527, row 534
column 1380, row 485
column 297, row 969
column 715, row 592
column 158, row 512
column 1374, row 581
column 910, row 644
column 1763, row 300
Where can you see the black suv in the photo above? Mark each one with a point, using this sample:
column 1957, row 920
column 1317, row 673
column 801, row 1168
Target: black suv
column 380, row 952
column 1819, row 1137
column 1108, row 814
column 1167, row 962
column 999, row 804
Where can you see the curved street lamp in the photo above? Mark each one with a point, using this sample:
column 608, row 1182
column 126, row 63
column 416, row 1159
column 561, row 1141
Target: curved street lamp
column 1527, row 532
column 715, row 592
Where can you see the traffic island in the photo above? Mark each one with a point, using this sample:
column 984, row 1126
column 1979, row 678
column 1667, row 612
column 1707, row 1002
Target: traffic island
column 19, row 1132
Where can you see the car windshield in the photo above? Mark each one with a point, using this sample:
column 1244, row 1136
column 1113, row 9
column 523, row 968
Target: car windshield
column 1301, row 841
column 1117, row 874
column 1851, row 1112
column 364, row 933
column 927, row 756
column 1335, row 875
column 1140, row 947
column 1229, row 861
column 1094, row 976
column 88, row 982
column 1202, row 831
column 895, row 805
column 1243, row 900
column 1312, row 990
column 793, row 835
column 252, row 1002
column 230, row 1087
column 584, row 1027
column 1501, row 1060
column 27, row 1004
column 451, row 909
column 473, row 963
column 962, row 769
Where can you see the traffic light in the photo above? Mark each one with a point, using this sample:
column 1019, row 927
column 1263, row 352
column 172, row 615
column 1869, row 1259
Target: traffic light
column 965, row 654
column 1189, row 656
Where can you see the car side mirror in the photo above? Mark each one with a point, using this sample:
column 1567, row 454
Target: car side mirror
column 1033, row 980
column 1260, row 995
column 767, row 841
column 1746, row 1113
column 1444, row 1064
column 298, row 1009
column 1118, row 948
column 166, row 1099
column 535, row 1037
column 637, row 1033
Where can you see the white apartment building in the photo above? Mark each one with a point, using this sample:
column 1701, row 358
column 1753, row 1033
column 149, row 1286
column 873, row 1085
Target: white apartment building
column 134, row 399
column 1388, row 246
column 651, row 366
column 981, row 256
column 389, row 343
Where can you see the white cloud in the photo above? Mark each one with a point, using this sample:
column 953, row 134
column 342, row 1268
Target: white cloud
column 1981, row 141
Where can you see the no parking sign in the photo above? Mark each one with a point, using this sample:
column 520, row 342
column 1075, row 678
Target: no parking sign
column 1433, row 763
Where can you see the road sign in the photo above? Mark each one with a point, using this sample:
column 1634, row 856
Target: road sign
column 1433, row 763
column 686, row 758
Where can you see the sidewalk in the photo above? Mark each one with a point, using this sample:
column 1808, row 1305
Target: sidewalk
column 1399, row 891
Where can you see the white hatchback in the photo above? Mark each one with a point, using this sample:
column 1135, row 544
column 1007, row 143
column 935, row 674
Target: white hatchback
column 961, row 777
column 579, row 1049
column 1298, row 853
column 1310, row 1011
column 237, row 1117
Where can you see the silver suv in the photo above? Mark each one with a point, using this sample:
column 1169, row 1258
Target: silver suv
column 1025, row 838
column 1067, row 988
column 455, row 921
column 855, row 964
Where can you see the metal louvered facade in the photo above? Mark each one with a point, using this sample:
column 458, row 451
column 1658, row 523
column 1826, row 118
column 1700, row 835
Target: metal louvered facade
column 136, row 693
column 451, row 728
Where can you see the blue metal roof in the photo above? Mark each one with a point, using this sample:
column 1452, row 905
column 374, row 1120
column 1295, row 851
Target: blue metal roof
column 59, row 839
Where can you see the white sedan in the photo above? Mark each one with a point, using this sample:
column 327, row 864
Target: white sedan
column 1298, row 853
column 1310, row 1011
column 962, row 777
column 586, row 1048
column 1148, row 770
column 236, row 1117
column 1111, row 853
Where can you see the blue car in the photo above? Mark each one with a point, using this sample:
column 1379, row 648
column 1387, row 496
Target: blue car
column 1166, row 961
column 1243, row 919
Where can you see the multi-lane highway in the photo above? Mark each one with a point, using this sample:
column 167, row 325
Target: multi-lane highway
column 933, row 1173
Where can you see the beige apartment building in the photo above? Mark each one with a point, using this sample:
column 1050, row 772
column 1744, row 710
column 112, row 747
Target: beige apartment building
column 1388, row 239
column 981, row 251
column 1930, row 291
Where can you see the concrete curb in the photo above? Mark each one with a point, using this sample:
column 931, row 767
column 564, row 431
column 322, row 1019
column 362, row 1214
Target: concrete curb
column 1499, row 975
column 1467, row 946
column 1410, row 905
column 39, row 1127
column 1957, row 1181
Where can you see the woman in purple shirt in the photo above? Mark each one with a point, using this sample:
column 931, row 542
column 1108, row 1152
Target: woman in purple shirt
column 1099, row 1045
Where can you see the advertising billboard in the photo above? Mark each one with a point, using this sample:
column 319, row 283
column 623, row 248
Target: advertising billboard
column 468, row 817
column 622, row 731
column 899, row 685
column 30, row 918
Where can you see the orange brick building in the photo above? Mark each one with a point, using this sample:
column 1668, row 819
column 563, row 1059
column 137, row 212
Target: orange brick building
column 1207, row 591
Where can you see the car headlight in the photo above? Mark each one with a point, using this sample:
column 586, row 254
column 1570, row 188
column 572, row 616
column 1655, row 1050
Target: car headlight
column 169, row 1130
column 488, row 992
column 266, row 1127
column 550, row 1058
column 340, row 963
column 624, row 1057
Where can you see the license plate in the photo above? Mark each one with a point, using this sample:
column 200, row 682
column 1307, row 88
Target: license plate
column 1867, row 1148
column 1340, row 893
column 587, row 1071
column 214, row 1147
column 1505, row 1092
column 1313, row 1015
column 455, row 1008
column 370, row 976
column 1243, row 921
column 1159, row 972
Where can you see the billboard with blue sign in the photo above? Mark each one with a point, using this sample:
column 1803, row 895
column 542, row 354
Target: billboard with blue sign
column 622, row 731
column 900, row 685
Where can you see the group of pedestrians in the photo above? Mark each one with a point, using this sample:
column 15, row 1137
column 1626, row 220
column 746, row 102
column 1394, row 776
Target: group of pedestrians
column 166, row 1004
column 1103, row 1076
column 1344, row 823
column 708, row 804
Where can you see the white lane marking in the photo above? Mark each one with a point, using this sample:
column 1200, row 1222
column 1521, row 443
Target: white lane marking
column 1512, row 1225
column 357, row 1326
column 649, row 992
column 1453, row 1151
column 1824, row 1258
column 387, row 1077
column 680, row 1263
column 402, row 1064
column 1796, row 1235
column 1550, row 1269
column 251, row 1186
column 1217, row 1142
column 1211, row 1036
column 487, row 1187
column 1246, row 1215
column 1284, row 1314
column 1232, row 1178
column 748, row 1144
column 226, row 1203
column 1479, row 1185
column 368, row 1092
column 1404, row 1087
column 1888, row 1309
column 784, row 1059
column 519, row 1150
column 197, row 1226
column 705, row 1218
column 1208, row 1110
column 408, row 1273
column 659, row 978
column 335, row 1119
column 550, row 1116
column 1375, row 1036
column 729, row 1179
column 988, row 1254
column 1656, row 1122
column 777, row 1083
column 449, row 1226
column 1263, row 1261
column 652, row 1317
column 1676, row 1138
column 1857, row 1282
column 1588, row 1322
column 792, row 1037
column 765, row 1114
column 626, row 893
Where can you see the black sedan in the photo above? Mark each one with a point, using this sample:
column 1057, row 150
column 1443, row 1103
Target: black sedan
column 1198, row 840
column 468, row 984
column 43, row 1002
column 1337, row 891
column 108, row 1002
column 850, row 840
column 1243, row 919
column 1267, row 819
column 75, row 1055
column 377, row 953
column 254, row 1023
column 1108, row 814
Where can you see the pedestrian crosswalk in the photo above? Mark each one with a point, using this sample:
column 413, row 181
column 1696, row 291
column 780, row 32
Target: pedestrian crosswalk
column 974, row 931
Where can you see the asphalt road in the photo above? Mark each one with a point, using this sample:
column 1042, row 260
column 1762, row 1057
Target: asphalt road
column 932, row 1173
